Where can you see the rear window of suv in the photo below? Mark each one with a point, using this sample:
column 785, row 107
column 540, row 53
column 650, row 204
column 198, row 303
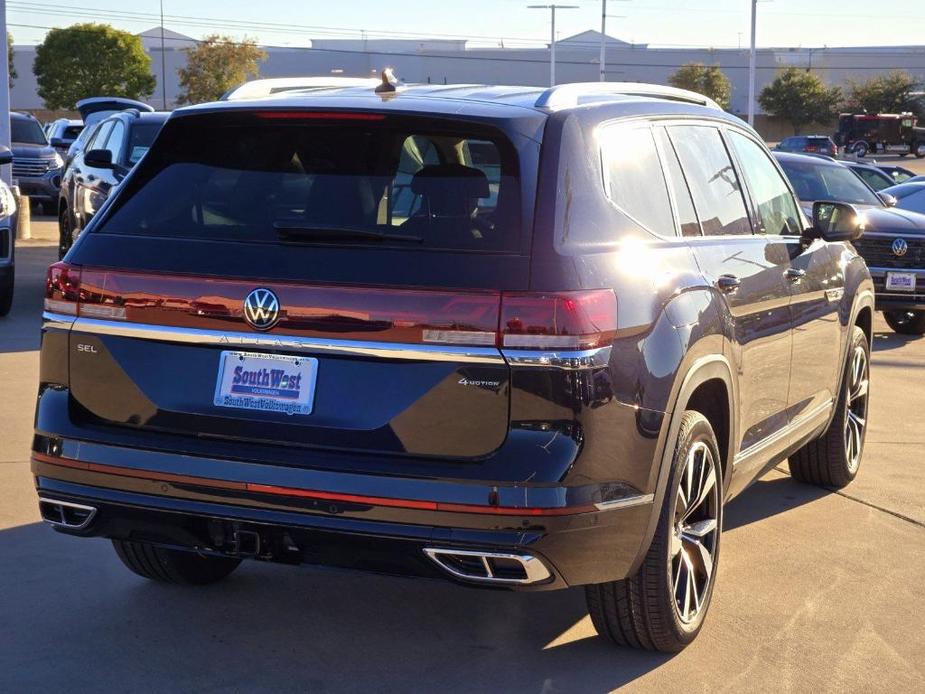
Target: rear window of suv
column 272, row 177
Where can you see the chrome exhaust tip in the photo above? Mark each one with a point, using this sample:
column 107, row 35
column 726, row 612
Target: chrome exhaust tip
column 498, row 568
column 66, row 514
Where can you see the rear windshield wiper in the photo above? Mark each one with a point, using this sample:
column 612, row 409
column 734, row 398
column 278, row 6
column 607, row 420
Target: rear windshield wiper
column 288, row 231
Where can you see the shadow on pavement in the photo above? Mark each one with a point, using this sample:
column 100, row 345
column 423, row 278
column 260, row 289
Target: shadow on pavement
column 74, row 618
column 884, row 341
column 769, row 497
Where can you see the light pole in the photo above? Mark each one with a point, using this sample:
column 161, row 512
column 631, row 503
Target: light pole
column 163, row 61
column 552, row 41
column 604, row 15
column 751, row 69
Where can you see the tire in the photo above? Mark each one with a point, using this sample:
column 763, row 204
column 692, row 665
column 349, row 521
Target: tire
column 6, row 294
column 906, row 322
column 919, row 150
column 834, row 458
column 173, row 565
column 644, row 610
column 65, row 232
column 860, row 149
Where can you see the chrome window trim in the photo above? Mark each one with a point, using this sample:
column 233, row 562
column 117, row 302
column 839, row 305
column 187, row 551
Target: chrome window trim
column 218, row 338
column 574, row 360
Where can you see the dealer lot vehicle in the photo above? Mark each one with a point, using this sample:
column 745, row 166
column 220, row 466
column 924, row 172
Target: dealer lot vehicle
column 93, row 110
column 871, row 175
column 115, row 146
column 505, row 336
column 36, row 165
column 894, row 239
column 7, row 238
column 62, row 133
column 909, row 196
column 816, row 144
column 899, row 174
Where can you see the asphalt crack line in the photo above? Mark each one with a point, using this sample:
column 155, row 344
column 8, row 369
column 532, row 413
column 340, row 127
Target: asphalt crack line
column 895, row 514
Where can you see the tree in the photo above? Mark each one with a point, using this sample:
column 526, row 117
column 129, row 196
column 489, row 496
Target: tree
column 215, row 65
column 890, row 93
column 800, row 97
column 9, row 49
column 86, row 60
column 708, row 80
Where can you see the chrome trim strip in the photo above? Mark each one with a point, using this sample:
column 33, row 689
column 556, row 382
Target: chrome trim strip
column 69, row 504
column 568, row 360
column 534, row 569
column 311, row 345
column 807, row 419
column 625, row 502
column 59, row 321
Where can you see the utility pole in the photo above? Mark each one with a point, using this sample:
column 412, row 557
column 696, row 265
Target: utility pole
column 751, row 69
column 604, row 15
column 163, row 61
column 552, row 41
column 6, row 173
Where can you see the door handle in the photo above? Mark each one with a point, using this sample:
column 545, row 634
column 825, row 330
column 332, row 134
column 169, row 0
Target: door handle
column 794, row 274
column 728, row 283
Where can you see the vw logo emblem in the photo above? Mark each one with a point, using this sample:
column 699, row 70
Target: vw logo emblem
column 261, row 309
column 900, row 247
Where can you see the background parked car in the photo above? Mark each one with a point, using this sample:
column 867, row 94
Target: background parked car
column 36, row 165
column 94, row 110
column 817, row 144
column 899, row 174
column 871, row 175
column 7, row 234
column 113, row 147
column 61, row 134
column 894, row 239
column 910, row 195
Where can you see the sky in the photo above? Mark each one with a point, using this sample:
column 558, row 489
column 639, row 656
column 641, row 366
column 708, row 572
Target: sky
column 716, row 23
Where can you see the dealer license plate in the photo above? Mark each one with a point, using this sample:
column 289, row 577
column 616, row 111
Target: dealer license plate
column 266, row 382
column 900, row 281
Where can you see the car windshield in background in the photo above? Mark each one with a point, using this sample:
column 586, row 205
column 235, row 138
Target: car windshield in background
column 364, row 180
column 71, row 132
column 27, row 131
column 821, row 181
column 140, row 139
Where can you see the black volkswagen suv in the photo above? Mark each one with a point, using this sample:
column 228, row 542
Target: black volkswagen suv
column 505, row 336
column 116, row 144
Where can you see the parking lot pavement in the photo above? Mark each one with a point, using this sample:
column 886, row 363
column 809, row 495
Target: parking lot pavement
column 817, row 591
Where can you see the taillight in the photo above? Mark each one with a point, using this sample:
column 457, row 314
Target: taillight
column 558, row 321
column 62, row 289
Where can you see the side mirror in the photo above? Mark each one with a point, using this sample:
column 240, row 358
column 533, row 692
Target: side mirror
column 98, row 158
column 887, row 199
column 6, row 156
column 836, row 221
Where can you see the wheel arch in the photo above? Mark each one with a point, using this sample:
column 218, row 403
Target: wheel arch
column 704, row 379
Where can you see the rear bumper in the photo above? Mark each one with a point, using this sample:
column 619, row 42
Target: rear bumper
column 366, row 522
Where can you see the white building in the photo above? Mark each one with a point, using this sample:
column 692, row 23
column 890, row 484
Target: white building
column 455, row 61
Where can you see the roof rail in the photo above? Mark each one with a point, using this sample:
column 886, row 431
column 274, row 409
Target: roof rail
column 565, row 95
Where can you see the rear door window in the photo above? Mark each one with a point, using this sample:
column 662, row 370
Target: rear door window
column 712, row 179
column 687, row 215
column 251, row 178
column 633, row 176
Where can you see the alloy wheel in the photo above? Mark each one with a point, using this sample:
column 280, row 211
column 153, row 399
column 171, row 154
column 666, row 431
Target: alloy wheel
column 856, row 412
column 695, row 531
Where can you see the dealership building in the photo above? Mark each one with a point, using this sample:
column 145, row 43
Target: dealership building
column 458, row 61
